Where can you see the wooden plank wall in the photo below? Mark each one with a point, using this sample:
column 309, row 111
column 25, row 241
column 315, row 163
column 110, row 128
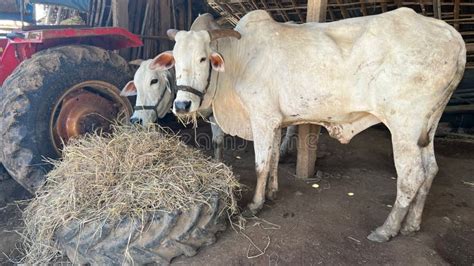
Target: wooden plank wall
column 148, row 18
column 151, row 19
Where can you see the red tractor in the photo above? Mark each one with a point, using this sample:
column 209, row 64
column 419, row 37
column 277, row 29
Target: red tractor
column 57, row 83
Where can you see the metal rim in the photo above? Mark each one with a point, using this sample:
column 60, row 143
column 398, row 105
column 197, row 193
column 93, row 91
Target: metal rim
column 86, row 107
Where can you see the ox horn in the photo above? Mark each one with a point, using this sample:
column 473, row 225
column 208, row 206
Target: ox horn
column 171, row 33
column 217, row 34
column 136, row 62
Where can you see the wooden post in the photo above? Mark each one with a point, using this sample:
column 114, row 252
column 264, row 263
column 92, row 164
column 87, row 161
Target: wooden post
column 120, row 19
column 316, row 10
column 456, row 14
column 58, row 16
column 308, row 135
column 120, row 13
column 437, row 9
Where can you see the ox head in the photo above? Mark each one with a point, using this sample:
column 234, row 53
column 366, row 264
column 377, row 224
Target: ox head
column 154, row 91
column 194, row 60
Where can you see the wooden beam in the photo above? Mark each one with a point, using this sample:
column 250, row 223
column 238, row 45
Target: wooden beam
column 120, row 13
column 399, row 3
column 363, row 8
column 293, row 2
column 343, row 9
column 470, row 47
column 58, row 16
column 384, row 6
column 308, row 135
column 190, row 14
column 97, row 12
column 316, row 10
column 437, row 8
column 456, row 13
column 101, row 14
column 331, row 14
column 120, row 19
column 422, row 7
column 282, row 13
column 459, row 108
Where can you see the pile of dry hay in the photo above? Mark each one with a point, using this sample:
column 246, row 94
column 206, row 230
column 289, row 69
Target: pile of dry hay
column 132, row 171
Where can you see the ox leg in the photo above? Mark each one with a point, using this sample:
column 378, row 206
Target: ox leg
column 287, row 141
column 272, row 186
column 413, row 219
column 263, row 146
column 409, row 165
column 217, row 140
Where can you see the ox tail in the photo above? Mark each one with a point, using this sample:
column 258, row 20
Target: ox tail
column 437, row 110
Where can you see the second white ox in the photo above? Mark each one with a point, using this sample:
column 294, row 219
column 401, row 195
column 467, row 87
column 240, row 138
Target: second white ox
column 398, row 68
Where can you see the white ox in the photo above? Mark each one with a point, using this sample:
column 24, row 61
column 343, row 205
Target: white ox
column 398, row 68
column 156, row 89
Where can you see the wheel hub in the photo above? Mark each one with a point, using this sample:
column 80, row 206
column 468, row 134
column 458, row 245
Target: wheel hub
column 83, row 111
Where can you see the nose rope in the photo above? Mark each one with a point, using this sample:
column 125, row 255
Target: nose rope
column 152, row 107
column 197, row 92
column 191, row 90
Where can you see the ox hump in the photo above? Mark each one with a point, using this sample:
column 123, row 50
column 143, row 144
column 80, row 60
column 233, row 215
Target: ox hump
column 204, row 22
column 254, row 17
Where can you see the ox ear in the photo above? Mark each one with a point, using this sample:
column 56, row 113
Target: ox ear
column 162, row 61
column 171, row 33
column 129, row 89
column 217, row 62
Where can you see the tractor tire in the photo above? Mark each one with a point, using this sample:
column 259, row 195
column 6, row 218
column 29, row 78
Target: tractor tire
column 3, row 173
column 36, row 91
column 160, row 238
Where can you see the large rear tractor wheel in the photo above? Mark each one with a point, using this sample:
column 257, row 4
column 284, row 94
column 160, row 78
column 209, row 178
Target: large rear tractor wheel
column 56, row 95
column 3, row 173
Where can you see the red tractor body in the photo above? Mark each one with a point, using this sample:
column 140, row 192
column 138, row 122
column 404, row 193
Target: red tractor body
column 21, row 45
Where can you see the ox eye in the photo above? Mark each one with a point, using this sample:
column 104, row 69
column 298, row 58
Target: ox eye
column 202, row 59
column 153, row 81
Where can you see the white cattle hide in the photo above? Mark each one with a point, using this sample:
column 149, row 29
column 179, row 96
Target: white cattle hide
column 399, row 68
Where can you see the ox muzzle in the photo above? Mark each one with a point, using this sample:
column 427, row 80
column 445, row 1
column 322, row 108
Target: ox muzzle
column 182, row 107
column 153, row 108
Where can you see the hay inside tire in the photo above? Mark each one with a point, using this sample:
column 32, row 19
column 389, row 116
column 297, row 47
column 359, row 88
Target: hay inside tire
column 136, row 196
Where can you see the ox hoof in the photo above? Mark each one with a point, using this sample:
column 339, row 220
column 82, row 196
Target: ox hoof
column 251, row 210
column 248, row 213
column 269, row 202
column 271, row 195
column 409, row 230
column 379, row 235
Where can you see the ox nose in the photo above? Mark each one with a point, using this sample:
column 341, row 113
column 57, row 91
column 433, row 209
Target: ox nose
column 182, row 106
column 136, row 121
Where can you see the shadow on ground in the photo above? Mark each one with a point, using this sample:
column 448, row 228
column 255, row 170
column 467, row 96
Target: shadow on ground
column 325, row 225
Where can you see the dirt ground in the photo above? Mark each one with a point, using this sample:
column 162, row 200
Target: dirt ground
column 311, row 226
